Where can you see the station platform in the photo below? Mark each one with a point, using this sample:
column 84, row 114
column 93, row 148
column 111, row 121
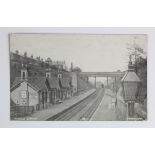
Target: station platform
column 53, row 110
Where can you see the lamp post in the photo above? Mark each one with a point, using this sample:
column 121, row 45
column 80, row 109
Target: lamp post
column 130, row 83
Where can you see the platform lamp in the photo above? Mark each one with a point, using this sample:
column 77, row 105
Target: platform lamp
column 131, row 85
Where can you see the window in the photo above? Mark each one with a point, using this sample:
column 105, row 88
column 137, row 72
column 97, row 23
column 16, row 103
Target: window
column 59, row 75
column 23, row 75
column 23, row 94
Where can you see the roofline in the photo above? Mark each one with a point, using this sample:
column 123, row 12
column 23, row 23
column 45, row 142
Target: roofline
column 27, row 83
column 12, row 88
column 124, row 77
column 122, row 80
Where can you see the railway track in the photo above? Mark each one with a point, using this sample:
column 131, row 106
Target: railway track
column 70, row 113
column 88, row 114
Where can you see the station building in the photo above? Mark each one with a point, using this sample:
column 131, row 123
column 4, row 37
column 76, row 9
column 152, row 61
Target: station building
column 40, row 92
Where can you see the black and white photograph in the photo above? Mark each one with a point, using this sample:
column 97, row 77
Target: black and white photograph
column 78, row 77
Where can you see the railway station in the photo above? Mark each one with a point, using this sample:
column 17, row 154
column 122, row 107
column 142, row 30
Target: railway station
column 54, row 90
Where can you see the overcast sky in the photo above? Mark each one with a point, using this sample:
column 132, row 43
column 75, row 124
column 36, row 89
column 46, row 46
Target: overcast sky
column 89, row 52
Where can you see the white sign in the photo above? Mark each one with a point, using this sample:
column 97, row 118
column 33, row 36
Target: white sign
column 23, row 94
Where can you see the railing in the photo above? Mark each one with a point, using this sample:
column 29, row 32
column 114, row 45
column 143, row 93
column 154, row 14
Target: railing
column 101, row 74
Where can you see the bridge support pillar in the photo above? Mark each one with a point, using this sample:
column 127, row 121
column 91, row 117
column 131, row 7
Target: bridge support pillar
column 87, row 79
column 107, row 81
column 115, row 84
column 95, row 81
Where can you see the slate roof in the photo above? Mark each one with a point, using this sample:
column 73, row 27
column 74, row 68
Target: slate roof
column 53, row 83
column 65, row 82
column 37, row 83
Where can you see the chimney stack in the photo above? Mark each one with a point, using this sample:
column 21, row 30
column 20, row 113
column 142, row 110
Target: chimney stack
column 24, row 72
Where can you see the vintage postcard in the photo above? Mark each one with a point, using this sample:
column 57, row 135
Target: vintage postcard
column 78, row 77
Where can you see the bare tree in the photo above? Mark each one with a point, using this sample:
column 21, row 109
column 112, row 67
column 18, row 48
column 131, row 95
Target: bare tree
column 77, row 69
column 135, row 52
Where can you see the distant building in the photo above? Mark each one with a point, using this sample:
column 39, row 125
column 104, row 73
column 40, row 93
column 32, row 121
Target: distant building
column 57, row 64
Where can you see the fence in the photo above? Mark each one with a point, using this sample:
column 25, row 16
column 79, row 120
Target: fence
column 20, row 111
